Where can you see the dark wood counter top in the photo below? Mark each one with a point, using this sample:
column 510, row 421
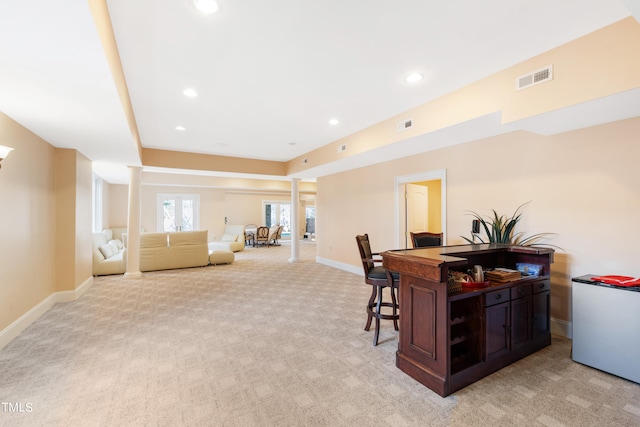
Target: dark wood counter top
column 429, row 262
column 439, row 255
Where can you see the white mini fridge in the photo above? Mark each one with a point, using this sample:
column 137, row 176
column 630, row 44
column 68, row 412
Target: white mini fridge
column 606, row 327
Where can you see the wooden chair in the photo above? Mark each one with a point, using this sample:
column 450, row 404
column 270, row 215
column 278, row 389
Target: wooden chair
column 262, row 236
column 378, row 278
column 275, row 236
column 425, row 239
column 249, row 233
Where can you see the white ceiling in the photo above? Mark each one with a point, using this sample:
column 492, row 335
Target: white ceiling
column 269, row 74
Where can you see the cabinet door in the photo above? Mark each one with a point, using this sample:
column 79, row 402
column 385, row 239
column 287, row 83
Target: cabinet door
column 541, row 314
column 496, row 330
column 521, row 330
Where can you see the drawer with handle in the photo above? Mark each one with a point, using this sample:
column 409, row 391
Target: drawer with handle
column 496, row 297
column 541, row 285
column 521, row 291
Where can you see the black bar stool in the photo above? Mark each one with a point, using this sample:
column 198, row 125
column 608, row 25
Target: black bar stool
column 378, row 278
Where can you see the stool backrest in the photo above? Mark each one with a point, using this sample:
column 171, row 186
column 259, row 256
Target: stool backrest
column 425, row 239
column 365, row 253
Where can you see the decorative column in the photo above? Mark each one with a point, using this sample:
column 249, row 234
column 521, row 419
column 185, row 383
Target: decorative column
column 295, row 222
column 133, row 224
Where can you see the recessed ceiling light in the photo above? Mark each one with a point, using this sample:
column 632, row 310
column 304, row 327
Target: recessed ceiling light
column 190, row 93
column 292, row 144
column 413, row 78
column 334, row 122
column 206, row 6
column 180, row 128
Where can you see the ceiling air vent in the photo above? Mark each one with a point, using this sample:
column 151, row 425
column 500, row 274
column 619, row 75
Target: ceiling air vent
column 342, row 147
column 404, row 125
column 305, row 161
column 535, row 77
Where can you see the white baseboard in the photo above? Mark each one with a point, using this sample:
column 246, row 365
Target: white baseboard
column 67, row 296
column 340, row 265
column 562, row 328
column 24, row 321
column 133, row 275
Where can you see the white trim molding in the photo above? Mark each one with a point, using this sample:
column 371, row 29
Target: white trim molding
column 24, row 321
column 340, row 266
column 562, row 327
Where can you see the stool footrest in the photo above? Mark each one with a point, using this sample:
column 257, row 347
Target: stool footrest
column 374, row 309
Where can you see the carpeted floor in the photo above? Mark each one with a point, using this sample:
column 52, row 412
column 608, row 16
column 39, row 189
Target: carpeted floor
column 270, row 343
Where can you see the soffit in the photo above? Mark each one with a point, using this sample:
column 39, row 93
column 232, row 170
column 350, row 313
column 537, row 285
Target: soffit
column 269, row 74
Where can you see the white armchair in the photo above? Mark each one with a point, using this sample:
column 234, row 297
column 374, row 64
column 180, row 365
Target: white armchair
column 232, row 240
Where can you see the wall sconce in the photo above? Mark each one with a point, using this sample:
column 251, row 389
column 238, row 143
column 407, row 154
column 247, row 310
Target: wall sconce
column 4, row 152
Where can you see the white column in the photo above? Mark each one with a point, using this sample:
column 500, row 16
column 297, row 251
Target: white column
column 295, row 222
column 133, row 224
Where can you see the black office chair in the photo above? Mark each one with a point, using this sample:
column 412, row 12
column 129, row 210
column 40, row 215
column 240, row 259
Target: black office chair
column 425, row 239
column 379, row 278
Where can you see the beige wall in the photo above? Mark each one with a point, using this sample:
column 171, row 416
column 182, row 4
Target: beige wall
column 83, row 219
column 73, row 190
column 65, row 192
column 116, row 205
column 246, row 207
column 199, row 161
column 27, row 222
column 106, row 191
column 45, row 220
column 240, row 207
column 582, row 185
column 435, row 205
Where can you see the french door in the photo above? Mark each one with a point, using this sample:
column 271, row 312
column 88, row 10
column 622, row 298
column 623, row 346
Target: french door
column 178, row 212
column 278, row 213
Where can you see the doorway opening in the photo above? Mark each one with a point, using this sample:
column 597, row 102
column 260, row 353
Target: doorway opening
column 421, row 205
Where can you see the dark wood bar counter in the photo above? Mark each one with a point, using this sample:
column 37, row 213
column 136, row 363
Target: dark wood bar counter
column 449, row 340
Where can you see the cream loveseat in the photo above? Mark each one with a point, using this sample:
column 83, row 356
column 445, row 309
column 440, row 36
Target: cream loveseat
column 180, row 249
column 109, row 253
column 232, row 240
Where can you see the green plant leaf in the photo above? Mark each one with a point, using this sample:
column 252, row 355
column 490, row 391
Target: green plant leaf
column 502, row 229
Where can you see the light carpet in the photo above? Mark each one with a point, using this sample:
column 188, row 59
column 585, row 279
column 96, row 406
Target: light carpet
column 266, row 342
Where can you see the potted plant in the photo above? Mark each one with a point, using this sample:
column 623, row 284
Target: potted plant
column 501, row 229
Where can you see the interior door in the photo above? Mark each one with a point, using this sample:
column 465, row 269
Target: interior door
column 417, row 209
